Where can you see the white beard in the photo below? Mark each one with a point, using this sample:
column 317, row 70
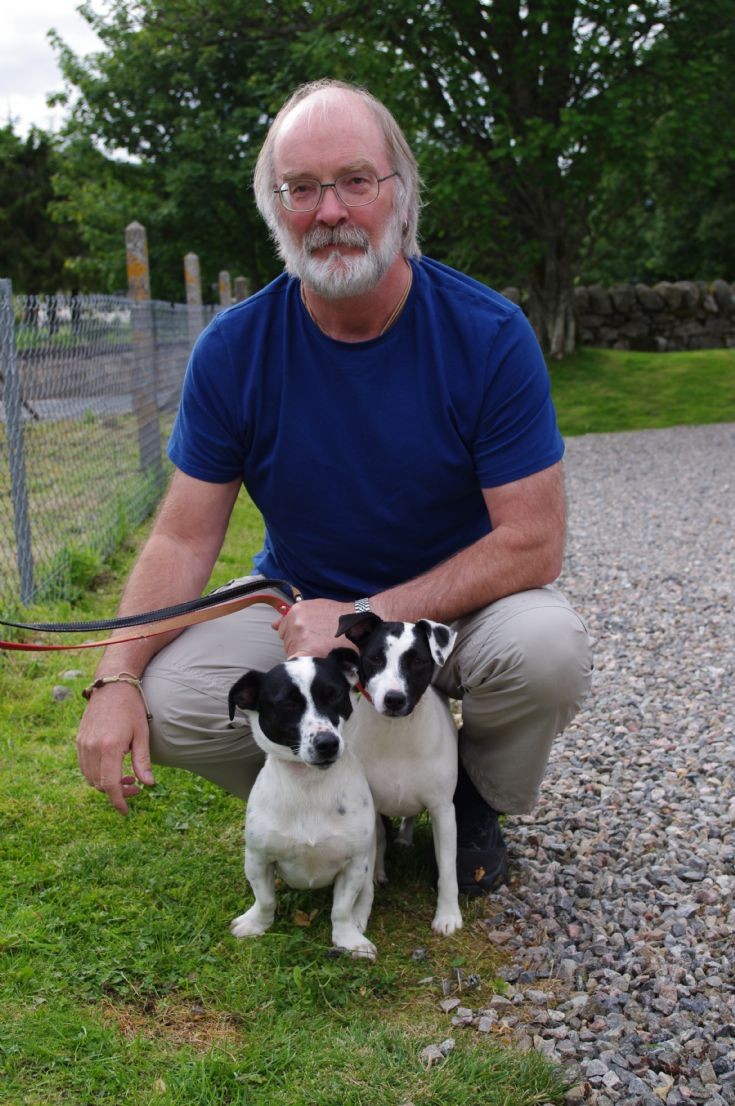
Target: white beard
column 336, row 276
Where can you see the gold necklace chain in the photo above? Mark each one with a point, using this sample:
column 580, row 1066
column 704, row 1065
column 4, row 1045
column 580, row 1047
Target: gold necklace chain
column 388, row 322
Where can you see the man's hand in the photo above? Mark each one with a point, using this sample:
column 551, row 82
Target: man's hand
column 113, row 725
column 309, row 628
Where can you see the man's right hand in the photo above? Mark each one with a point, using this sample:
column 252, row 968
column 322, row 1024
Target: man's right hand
column 113, row 725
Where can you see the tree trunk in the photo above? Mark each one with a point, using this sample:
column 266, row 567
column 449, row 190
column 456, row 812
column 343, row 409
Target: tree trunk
column 551, row 303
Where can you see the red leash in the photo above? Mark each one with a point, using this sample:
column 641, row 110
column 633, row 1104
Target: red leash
column 227, row 606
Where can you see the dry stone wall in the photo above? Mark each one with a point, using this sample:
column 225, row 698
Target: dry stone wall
column 678, row 315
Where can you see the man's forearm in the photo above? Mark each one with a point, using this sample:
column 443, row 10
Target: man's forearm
column 523, row 550
column 496, row 565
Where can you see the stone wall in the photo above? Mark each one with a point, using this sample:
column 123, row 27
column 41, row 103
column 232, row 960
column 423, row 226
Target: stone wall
column 666, row 316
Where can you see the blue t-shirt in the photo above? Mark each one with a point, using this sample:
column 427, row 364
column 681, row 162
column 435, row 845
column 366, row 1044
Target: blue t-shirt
column 367, row 459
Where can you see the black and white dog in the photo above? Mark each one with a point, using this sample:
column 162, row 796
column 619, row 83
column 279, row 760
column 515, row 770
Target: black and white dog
column 310, row 814
column 407, row 739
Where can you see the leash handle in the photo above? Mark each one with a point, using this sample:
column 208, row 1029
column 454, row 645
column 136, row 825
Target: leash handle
column 207, row 614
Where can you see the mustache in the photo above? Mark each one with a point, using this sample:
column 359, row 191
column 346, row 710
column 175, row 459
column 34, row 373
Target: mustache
column 319, row 237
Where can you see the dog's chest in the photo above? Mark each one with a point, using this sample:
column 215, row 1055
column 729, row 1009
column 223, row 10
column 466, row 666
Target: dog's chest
column 409, row 761
column 310, row 832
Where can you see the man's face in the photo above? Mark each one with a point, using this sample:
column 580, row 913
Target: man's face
column 336, row 250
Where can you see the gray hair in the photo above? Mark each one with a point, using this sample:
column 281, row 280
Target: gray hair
column 408, row 186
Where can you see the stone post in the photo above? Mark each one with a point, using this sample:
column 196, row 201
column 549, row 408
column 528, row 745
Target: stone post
column 242, row 289
column 143, row 381
column 225, row 288
column 193, row 281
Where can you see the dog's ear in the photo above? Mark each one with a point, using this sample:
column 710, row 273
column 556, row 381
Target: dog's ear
column 439, row 637
column 244, row 694
column 357, row 627
column 347, row 662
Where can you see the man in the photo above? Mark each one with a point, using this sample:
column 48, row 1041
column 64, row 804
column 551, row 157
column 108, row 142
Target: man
column 391, row 419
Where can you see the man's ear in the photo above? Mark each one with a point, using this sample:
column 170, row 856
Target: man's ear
column 357, row 627
column 347, row 662
column 440, row 638
column 245, row 693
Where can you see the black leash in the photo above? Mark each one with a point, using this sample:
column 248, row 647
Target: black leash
column 211, row 599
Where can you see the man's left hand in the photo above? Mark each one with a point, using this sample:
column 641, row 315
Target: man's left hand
column 309, row 628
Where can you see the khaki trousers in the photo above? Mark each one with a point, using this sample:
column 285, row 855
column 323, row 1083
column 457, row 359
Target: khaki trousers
column 520, row 667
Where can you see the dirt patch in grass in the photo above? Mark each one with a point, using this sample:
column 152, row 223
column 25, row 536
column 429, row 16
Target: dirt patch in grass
column 176, row 1021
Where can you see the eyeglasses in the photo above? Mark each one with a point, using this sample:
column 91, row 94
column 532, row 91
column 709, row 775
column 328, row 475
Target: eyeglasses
column 353, row 189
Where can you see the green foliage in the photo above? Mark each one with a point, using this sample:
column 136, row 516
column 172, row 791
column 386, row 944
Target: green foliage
column 559, row 138
column 33, row 250
column 668, row 213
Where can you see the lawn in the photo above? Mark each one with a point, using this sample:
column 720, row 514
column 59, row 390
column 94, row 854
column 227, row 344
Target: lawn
column 119, row 981
column 598, row 390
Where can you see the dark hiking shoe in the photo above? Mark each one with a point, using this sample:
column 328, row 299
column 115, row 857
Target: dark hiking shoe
column 482, row 858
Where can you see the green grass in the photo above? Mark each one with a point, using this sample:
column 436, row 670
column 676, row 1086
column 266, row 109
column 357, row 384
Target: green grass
column 119, row 982
column 599, row 390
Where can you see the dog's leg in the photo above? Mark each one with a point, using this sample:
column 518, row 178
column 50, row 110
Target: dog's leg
column 348, row 886
column 379, row 875
column 364, row 901
column 405, row 833
column 444, row 829
column 261, row 877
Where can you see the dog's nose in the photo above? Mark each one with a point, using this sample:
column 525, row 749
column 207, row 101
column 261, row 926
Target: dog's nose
column 394, row 701
column 326, row 745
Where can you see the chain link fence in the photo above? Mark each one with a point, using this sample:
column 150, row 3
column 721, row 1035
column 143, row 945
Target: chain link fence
column 89, row 387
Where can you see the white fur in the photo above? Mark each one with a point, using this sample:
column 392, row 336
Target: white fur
column 411, row 765
column 314, row 827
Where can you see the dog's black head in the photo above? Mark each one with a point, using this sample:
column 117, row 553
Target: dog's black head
column 297, row 709
column 397, row 659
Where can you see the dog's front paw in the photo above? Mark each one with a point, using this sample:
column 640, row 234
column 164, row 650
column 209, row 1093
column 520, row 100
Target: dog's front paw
column 250, row 924
column 356, row 943
column 364, row 951
column 447, row 921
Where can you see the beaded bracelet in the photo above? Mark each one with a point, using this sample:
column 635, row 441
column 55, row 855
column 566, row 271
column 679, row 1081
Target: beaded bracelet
column 121, row 678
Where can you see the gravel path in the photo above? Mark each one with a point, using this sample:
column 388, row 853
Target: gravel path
column 620, row 916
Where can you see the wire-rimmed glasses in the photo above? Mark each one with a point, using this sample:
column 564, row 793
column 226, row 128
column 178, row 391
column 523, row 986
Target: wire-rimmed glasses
column 353, row 189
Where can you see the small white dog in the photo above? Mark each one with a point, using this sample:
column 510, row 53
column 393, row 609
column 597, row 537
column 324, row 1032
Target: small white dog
column 310, row 814
column 407, row 739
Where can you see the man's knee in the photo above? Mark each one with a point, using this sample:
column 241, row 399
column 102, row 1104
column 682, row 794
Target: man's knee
column 542, row 648
column 552, row 649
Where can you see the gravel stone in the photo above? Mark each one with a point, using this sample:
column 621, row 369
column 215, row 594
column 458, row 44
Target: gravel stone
column 623, row 877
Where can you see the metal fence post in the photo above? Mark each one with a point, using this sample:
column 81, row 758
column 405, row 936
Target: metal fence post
column 193, row 281
column 10, row 380
column 225, row 288
column 145, row 397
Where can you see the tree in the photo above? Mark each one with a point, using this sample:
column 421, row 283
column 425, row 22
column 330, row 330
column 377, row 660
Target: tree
column 33, row 250
column 532, row 101
column 522, row 114
column 676, row 208
column 184, row 91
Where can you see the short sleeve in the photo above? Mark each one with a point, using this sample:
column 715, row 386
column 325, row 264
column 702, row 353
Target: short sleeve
column 207, row 440
column 517, row 433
